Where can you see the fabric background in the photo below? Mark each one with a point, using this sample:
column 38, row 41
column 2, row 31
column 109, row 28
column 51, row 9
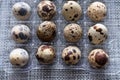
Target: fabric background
column 58, row 70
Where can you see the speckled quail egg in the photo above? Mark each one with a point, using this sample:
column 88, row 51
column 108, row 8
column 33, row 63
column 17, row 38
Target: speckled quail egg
column 71, row 55
column 45, row 54
column 97, row 34
column 72, row 32
column 98, row 58
column 71, row 11
column 46, row 31
column 19, row 57
column 97, row 11
column 46, row 10
column 21, row 10
column 20, row 33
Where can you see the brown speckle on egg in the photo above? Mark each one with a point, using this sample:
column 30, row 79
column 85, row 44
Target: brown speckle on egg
column 67, row 58
column 92, row 54
column 101, row 58
column 71, row 7
column 66, row 9
column 76, row 15
column 74, row 50
column 74, row 57
column 90, row 37
column 78, row 57
column 46, row 9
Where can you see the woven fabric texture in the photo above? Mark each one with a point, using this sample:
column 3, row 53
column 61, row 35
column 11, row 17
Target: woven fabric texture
column 58, row 70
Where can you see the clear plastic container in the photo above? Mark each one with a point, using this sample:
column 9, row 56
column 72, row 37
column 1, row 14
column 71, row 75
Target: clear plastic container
column 111, row 46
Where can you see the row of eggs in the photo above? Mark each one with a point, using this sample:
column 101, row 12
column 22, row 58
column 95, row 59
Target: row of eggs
column 46, row 32
column 70, row 55
column 71, row 10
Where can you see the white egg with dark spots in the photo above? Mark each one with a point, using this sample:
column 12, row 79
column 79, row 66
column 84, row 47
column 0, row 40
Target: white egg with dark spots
column 20, row 33
column 46, row 31
column 97, row 34
column 72, row 32
column 98, row 58
column 19, row 57
column 46, row 9
column 97, row 11
column 71, row 55
column 45, row 54
column 71, row 11
column 21, row 10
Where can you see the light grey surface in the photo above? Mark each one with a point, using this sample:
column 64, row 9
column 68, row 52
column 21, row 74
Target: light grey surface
column 58, row 70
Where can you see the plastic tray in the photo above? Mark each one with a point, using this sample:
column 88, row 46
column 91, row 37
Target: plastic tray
column 111, row 46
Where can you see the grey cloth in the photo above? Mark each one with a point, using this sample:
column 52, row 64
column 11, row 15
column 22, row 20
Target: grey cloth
column 58, row 70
